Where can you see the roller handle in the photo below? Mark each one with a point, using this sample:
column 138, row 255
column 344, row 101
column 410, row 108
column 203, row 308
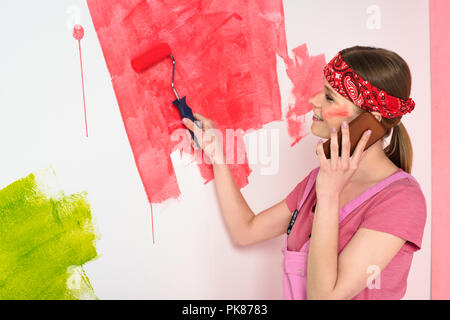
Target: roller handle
column 186, row 112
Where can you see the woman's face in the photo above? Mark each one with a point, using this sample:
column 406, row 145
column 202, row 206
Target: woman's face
column 333, row 108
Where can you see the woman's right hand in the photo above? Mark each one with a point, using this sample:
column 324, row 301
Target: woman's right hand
column 208, row 137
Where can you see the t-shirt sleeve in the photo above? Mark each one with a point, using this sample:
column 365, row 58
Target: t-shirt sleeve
column 400, row 211
column 293, row 197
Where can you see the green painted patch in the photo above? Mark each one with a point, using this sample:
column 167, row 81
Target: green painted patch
column 44, row 242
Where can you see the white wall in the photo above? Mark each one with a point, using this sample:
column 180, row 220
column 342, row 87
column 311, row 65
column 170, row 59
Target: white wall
column 42, row 124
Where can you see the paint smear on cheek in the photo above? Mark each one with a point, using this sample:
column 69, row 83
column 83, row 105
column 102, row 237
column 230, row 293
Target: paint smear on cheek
column 306, row 75
column 44, row 241
column 333, row 114
column 225, row 54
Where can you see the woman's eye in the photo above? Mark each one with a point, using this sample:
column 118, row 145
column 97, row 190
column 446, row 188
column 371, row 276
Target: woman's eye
column 328, row 97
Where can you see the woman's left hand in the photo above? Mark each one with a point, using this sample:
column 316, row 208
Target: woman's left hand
column 334, row 173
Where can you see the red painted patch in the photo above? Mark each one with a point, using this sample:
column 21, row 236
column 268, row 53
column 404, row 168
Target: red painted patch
column 306, row 74
column 225, row 54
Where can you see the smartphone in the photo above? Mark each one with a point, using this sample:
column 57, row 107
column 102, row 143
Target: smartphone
column 357, row 127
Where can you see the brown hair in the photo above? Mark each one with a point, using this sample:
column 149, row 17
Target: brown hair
column 387, row 71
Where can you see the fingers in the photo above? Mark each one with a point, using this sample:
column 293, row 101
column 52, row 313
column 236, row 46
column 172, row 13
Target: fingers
column 345, row 153
column 344, row 161
column 204, row 137
column 193, row 144
column 188, row 123
column 356, row 157
column 207, row 123
column 198, row 133
column 198, row 127
column 199, row 116
column 334, row 147
column 203, row 123
column 321, row 154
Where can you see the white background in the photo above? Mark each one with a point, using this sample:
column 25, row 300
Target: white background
column 42, row 125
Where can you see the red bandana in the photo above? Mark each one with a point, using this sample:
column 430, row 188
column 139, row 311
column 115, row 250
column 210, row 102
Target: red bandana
column 345, row 81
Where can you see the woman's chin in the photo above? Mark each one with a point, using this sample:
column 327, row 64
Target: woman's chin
column 317, row 133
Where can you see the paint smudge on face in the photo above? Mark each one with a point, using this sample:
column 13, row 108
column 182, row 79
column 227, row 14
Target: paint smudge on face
column 45, row 238
column 332, row 114
column 225, row 54
column 306, row 75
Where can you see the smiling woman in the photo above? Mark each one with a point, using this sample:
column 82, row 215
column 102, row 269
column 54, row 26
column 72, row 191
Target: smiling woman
column 369, row 211
column 387, row 71
column 362, row 201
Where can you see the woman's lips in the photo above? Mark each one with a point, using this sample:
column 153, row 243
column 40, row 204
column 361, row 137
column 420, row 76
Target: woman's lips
column 315, row 119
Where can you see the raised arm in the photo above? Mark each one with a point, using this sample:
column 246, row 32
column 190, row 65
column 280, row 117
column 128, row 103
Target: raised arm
column 244, row 226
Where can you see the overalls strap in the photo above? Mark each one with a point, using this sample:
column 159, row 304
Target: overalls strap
column 309, row 185
column 352, row 205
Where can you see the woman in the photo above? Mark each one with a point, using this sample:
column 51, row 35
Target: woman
column 354, row 222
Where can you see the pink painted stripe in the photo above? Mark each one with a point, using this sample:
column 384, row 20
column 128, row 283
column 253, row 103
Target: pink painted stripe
column 440, row 95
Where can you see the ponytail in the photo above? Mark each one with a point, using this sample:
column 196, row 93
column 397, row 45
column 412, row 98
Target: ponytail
column 400, row 150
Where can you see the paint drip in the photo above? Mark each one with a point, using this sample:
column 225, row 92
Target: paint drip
column 78, row 34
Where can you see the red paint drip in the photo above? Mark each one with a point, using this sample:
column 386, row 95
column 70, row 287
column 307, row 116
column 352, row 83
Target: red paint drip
column 306, row 74
column 78, row 34
column 153, row 232
column 153, row 229
column 218, row 67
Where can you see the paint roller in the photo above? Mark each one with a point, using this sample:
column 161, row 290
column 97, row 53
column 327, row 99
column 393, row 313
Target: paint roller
column 153, row 56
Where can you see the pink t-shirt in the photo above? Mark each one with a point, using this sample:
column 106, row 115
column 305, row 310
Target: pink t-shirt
column 398, row 209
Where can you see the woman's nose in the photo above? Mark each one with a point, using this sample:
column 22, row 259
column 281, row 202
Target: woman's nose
column 314, row 100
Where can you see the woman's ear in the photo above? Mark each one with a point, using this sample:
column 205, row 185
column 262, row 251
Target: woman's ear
column 377, row 115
